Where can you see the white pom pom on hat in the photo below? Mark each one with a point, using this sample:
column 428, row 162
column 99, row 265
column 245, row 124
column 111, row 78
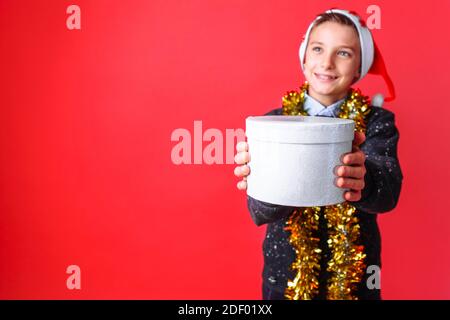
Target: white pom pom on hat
column 371, row 60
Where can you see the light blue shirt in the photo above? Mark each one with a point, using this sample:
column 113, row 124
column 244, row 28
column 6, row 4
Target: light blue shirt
column 315, row 108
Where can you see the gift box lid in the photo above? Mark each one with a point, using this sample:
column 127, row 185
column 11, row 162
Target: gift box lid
column 300, row 129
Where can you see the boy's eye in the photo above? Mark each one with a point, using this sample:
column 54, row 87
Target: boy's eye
column 316, row 49
column 344, row 53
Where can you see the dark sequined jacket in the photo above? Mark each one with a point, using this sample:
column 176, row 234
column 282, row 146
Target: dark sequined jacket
column 382, row 189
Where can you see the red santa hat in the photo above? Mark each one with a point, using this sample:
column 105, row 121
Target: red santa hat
column 371, row 59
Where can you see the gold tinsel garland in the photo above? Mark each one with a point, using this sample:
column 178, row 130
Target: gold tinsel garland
column 347, row 258
column 346, row 265
column 304, row 225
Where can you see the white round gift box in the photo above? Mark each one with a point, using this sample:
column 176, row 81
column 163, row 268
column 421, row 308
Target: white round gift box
column 292, row 158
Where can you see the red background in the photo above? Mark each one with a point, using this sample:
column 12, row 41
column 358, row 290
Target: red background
column 86, row 117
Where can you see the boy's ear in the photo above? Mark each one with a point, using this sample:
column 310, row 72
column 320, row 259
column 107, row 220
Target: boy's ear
column 356, row 78
column 357, row 75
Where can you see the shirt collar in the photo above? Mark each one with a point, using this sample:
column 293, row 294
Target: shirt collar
column 315, row 108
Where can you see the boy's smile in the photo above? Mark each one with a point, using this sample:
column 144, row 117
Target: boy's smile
column 325, row 77
column 332, row 61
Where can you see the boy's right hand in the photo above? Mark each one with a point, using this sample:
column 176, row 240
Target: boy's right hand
column 242, row 158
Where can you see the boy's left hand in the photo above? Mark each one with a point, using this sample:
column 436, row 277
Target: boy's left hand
column 351, row 174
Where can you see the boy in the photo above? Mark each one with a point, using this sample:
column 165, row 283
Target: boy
column 314, row 253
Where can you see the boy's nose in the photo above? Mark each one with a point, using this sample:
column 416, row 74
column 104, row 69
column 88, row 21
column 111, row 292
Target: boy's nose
column 327, row 61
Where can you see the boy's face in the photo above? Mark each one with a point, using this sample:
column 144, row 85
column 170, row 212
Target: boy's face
column 332, row 61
